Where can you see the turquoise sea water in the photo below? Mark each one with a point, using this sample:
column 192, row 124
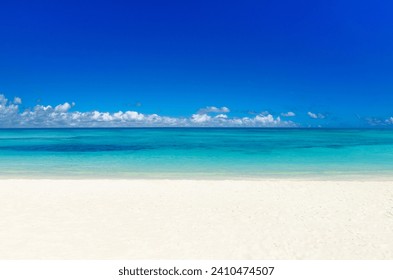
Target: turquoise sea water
column 195, row 153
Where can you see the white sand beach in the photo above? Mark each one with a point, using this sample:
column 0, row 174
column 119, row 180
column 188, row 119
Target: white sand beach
column 190, row 219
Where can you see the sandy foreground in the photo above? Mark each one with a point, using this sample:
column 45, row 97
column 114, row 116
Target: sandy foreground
column 185, row 219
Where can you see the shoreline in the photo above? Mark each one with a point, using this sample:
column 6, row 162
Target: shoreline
column 385, row 177
column 195, row 219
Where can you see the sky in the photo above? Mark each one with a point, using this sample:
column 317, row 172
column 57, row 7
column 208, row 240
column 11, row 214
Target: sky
column 196, row 63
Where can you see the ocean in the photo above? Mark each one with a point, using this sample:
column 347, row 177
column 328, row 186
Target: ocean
column 196, row 153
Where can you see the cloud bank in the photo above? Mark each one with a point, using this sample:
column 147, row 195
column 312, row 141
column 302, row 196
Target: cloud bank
column 62, row 115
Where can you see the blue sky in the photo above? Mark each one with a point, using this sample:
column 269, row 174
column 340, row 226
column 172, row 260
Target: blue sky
column 328, row 62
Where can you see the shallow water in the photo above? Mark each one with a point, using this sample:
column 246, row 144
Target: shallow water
column 195, row 153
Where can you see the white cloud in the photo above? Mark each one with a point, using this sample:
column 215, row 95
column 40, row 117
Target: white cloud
column 288, row 114
column 200, row 118
column 389, row 120
column 376, row 121
column 131, row 116
column 17, row 100
column 3, row 100
column 269, row 120
column 8, row 112
column 63, row 108
column 212, row 109
column 315, row 116
column 221, row 116
column 61, row 116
